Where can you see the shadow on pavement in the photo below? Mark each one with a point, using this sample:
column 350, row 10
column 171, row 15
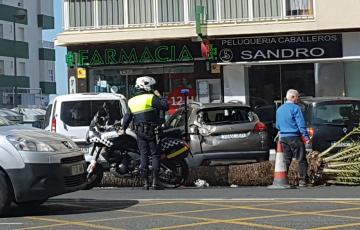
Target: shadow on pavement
column 69, row 206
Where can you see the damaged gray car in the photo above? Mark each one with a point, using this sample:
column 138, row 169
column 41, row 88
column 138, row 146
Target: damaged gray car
column 226, row 132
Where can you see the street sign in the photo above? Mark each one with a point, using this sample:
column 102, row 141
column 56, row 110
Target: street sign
column 81, row 73
column 200, row 21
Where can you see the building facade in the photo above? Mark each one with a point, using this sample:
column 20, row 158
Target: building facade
column 32, row 78
column 222, row 50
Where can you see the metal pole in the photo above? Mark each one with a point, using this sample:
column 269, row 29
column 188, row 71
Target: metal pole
column 15, row 102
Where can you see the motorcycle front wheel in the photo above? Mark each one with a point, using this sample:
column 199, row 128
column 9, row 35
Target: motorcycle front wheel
column 173, row 174
column 95, row 178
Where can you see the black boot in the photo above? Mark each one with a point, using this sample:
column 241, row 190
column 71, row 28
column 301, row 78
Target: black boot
column 156, row 185
column 145, row 179
column 146, row 183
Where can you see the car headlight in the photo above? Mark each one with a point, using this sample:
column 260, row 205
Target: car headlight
column 24, row 144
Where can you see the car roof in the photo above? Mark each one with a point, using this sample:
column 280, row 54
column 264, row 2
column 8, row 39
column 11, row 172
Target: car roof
column 311, row 100
column 216, row 105
column 89, row 96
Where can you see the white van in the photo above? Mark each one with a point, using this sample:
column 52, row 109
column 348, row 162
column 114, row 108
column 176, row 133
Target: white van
column 71, row 114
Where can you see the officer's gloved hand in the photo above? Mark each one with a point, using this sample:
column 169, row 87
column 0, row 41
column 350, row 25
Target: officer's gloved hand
column 157, row 93
column 121, row 131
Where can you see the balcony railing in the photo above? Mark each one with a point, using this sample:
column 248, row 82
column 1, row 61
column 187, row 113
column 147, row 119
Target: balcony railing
column 108, row 14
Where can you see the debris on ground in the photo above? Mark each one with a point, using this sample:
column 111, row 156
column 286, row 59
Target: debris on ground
column 201, row 183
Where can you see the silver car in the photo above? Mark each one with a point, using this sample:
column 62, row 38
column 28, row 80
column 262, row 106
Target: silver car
column 36, row 164
column 221, row 132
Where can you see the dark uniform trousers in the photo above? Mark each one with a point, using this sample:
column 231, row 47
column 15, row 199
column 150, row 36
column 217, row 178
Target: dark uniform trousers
column 146, row 140
column 295, row 148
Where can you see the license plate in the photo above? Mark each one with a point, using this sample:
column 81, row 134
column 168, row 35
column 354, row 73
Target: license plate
column 86, row 150
column 233, row 136
column 77, row 169
column 342, row 144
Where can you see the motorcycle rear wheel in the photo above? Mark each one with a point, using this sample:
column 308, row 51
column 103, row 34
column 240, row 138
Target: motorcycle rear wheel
column 178, row 175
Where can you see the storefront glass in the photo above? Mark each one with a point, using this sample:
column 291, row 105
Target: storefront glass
column 168, row 83
column 352, row 79
column 269, row 83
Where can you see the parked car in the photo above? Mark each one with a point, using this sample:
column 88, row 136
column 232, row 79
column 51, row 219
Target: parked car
column 36, row 164
column 70, row 115
column 225, row 132
column 330, row 118
column 34, row 116
column 11, row 115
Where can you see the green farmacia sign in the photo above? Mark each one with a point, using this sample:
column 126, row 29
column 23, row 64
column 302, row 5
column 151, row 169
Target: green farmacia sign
column 136, row 55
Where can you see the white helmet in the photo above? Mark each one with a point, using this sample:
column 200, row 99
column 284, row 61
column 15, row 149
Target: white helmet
column 145, row 83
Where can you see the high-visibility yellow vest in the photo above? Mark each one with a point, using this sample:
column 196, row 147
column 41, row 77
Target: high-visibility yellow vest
column 141, row 103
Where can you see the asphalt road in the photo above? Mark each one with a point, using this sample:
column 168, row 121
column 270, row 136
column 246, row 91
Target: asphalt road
column 193, row 208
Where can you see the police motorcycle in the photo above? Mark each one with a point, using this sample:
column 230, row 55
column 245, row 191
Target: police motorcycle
column 120, row 149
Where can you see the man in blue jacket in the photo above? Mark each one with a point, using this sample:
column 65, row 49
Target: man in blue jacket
column 293, row 133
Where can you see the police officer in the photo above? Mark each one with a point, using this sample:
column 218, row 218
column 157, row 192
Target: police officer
column 145, row 109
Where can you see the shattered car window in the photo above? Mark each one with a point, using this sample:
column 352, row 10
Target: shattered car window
column 226, row 115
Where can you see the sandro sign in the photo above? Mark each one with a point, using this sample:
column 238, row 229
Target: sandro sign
column 279, row 48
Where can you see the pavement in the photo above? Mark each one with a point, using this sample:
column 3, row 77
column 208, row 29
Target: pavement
column 327, row 207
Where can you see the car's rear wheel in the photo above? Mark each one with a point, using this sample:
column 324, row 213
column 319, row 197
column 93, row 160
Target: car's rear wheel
column 5, row 194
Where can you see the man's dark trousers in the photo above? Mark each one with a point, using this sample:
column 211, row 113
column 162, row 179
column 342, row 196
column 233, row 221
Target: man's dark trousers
column 294, row 148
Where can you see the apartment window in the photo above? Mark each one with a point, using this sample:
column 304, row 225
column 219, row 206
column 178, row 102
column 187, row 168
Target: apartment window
column 141, row 12
column 298, row 7
column 81, row 12
column 21, row 34
column 210, row 9
column 21, row 69
column 231, row 10
column 170, row 11
column 2, row 67
column 1, row 30
column 110, row 12
column 267, row 9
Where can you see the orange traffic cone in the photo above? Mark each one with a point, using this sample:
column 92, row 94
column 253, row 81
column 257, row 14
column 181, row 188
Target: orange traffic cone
column 280, row 175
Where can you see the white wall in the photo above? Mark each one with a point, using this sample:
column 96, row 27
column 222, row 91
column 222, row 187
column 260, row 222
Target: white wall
column 46, row 7
column 33, row 35
column 45, row 66
column 235, row 83
column 351, row 44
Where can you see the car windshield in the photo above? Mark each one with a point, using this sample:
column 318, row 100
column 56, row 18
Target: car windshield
column 226, row 115
column 337, row 113
column 5, row 122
